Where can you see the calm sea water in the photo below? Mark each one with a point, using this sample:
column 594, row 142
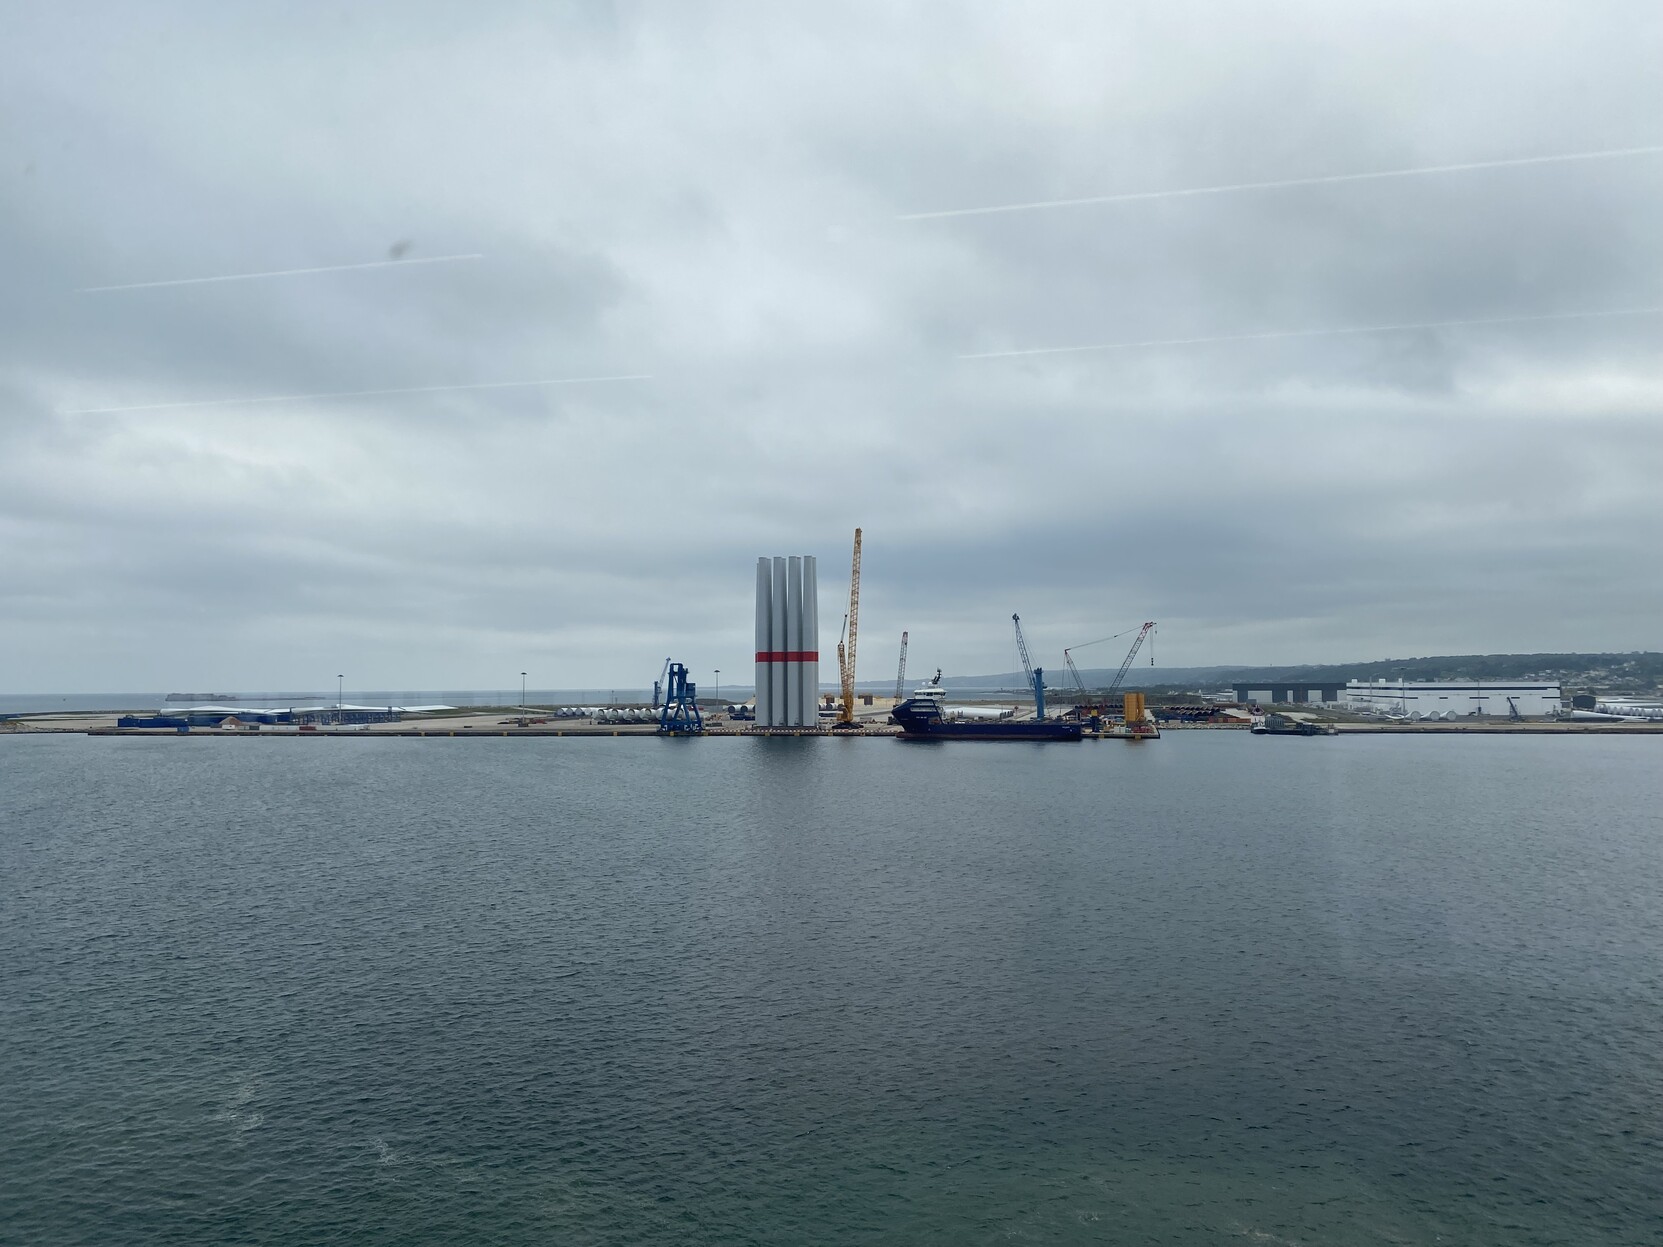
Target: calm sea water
column 1206, row 990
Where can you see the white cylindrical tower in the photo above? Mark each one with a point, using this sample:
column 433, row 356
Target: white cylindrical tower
column 777, row 644
column 794, row 641
column 764, row 635
column 810, row 643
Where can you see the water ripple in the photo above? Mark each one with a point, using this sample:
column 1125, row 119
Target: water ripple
column 1345, row 993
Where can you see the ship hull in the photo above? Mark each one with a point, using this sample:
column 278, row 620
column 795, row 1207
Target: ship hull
column 923, row 723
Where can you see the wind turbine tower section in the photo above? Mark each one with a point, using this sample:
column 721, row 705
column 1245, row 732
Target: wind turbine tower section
column 787, row 642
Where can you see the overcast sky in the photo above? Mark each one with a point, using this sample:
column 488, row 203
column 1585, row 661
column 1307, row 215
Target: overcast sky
column 711, row 196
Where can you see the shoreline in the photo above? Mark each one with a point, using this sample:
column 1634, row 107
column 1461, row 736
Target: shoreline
column 94, row 725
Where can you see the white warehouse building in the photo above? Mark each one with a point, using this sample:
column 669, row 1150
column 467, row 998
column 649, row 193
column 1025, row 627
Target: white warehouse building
column 1454, row 699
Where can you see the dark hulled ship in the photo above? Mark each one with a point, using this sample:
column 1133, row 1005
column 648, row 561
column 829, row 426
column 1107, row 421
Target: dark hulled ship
column 924, row 715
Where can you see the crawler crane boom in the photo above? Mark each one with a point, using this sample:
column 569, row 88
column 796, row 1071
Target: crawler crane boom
column 846, row 657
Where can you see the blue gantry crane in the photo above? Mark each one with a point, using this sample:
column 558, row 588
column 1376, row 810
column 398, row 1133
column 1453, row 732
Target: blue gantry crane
column 679, row 715
column 1036, row 675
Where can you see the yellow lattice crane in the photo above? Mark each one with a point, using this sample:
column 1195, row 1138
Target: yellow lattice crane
column 846, row 657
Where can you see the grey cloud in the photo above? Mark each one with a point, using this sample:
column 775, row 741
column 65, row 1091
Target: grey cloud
column 708, row 193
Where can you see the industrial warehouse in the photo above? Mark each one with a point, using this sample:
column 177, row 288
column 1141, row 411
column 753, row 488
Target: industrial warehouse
column 1429, row 700
column 1423, row 699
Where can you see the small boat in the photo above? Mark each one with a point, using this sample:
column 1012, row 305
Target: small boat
column 924, row 716
column 1282, row 725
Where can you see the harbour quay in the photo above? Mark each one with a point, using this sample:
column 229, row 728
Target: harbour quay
column 496, row 724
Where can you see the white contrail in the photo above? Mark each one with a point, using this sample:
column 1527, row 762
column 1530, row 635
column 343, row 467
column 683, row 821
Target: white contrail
column 301, row 398
column 1609, row 154
column 1315, row 333
column 282, row 272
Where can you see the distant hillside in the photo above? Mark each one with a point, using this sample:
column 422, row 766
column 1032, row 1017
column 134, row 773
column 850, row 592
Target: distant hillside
column 1641, row 669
